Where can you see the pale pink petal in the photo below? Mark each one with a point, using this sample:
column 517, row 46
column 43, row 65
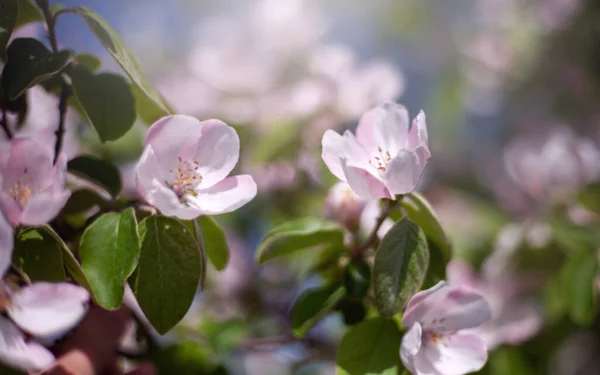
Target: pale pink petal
column 457, row 354
column 217, row 151
column 148, row 170
column 226, row 196
column 455, row 308
column 44, row 206
column 423, row 366
column 403, row 173
column 167, row 202
column 6, row 244
column 30, row 162
column 364, row 183
column 337, row 147
column 417, row 136
column 515, row 325
column 459, row 272
column 385, row 126
column 411, row 343
column 47, row 309
column 417, row 306
column 10, row 207
column 17, row 353
column 423, row 155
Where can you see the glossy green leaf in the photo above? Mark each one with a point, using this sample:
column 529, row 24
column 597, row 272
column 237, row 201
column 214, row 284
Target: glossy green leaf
column 215, row 242
column 298, row 235
column 109, row 252
column 70, row 262
column 400, row 266
column 39, row 254
column 579, row 288
column 88, row 61
column 370, row 348
column 98, row 171
column 169, row 268
column 28, row 63
column 312, row 305
column 82, row 200
column 420, row 211
column 28, row 12
column 106, row 100
column 113, row 43
column 9, row 10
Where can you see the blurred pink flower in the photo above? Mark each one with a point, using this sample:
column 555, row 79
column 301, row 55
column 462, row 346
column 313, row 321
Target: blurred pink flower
column 20, row 354
column 183, row 170
column 33, row 190
column 385, row 158
column 435, row 343
column 514, row 319
column 344, row 206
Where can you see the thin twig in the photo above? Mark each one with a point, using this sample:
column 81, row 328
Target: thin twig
column 62, row 11
column 19, row 271
column 50, row 23
column 62, row 111
column 5, row 125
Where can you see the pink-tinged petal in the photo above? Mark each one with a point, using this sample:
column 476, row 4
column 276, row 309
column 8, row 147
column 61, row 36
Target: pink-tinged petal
column 513, row 326
column 363, row 183
column 337, row 147
column 30, row 162
column 148, row 170
column 423, row 366
column 217, row 152
column 48, row 309
column 167, row 202
column 456, row 354
column 416, row 306
column 6, row 244
column 226, row 196
column 17, row 353
column 417, row 136
column 453, row 308
column 423, row 155
column 403, row 173
column 10, row 207
column 459, row 272
column 385, row 126
column 411, row 343
column 44, row 206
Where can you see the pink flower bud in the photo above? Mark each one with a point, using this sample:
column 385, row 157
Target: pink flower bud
column 344, row 206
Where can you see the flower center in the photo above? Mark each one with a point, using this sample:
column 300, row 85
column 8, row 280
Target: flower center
column 381, row 160
column 436, row 338
column 186, row 178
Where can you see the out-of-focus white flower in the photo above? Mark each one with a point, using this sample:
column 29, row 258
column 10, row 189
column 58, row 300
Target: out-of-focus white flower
column 344, row 206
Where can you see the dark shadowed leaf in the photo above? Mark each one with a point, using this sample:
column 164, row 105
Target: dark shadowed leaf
column 109, row 252
column 81, row 201
column 169, row 268
column 400, row 266
column 28, row 63
column 98, row 171
column 106, row 100
column 9, row 10
column 370, row 347
column 39, row 255
column 28, row 12
column 312, row 305
column 298, row 235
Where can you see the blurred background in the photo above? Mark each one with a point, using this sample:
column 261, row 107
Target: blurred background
column 511, row 90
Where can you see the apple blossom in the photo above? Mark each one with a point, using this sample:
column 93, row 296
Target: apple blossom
column 434, row 343
column 183, row 170
column 514, row 319
column 33, row 189
column 385, row 158
column 344, row 206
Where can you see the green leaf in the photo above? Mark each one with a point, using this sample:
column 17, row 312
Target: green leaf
column 81, row 201
column 71, row 264
column 507, row 360
column 109, row 251
column 298, row 235
column 579, row 288
column 312, row 305
column 88, row 61
column 589, row 197
column 357, row 278
column 28, row 12
column 39, row 254
column 145, row 107
column 185, row 358
column 400, row 266
column 370, row 347
column 9, row 11
column 28, row 63
column 420, row 211
column 106, row 100
column 214, row 241
column 98, row 171
column 168, row 271
column 113, row 43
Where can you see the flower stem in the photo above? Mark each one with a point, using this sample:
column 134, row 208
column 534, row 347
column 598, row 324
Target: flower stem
column 388, row 206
